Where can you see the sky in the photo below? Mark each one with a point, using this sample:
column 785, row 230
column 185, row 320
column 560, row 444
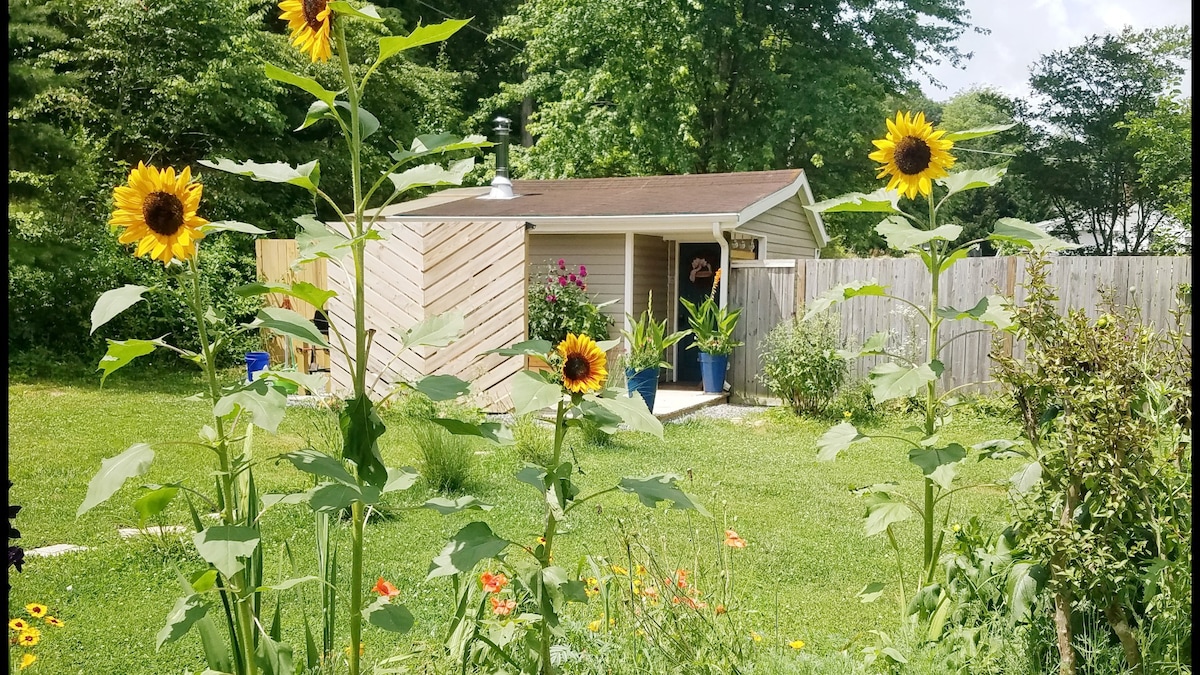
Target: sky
column 1024, row 30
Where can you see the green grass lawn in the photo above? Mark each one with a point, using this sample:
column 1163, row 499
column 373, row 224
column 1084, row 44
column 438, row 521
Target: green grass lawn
column 807, row 555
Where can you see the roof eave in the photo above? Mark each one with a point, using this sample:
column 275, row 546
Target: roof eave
column 799, row 187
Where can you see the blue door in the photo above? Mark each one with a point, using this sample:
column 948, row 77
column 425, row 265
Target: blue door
column 698, row 263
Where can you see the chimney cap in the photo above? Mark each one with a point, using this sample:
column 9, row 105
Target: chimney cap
column 503, row 124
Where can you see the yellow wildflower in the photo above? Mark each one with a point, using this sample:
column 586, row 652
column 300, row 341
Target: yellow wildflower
column 796, row 644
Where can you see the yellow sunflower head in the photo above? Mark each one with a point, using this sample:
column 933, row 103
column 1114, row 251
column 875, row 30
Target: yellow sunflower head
column 913, row 154
column 158, row 211
column 583, row 364
column 310, row 22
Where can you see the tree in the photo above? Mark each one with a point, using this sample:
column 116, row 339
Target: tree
column 1164, row 155
column 1081, row 156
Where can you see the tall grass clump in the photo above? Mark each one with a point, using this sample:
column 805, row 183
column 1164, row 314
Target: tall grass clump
column 448, row 461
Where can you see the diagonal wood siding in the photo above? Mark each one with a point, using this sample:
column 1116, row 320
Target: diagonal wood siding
column 421, row 269
column 770, row 293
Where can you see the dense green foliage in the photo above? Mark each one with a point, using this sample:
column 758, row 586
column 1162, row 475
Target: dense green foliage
column 559, row 304
column 802, row 363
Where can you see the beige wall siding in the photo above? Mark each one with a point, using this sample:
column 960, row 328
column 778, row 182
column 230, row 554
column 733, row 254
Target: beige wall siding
column 602, row 254
column 786, row 229
column 651, row 268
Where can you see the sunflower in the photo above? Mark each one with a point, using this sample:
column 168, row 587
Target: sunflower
column 158, row 211
column 309, row 21
column 913, row 154
column 583, row 364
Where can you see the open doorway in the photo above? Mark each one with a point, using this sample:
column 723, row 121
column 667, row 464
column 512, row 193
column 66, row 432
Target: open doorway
column 697, row 266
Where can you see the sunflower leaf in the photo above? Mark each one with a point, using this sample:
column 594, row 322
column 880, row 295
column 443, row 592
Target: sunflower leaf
column 837, row 439
column 301, row 290
column 427, row 175
column 468, row 546
column 232, row 226
column 843, row 292
column 977, row 132
column 307, row 176
column 901, row 235
column 446, row 506
column 660, row 487
column 223, row 545
column 113, row 473
column 883, row 512
column 1021, row 233
column 531, row 393
column 633, row 412
column 490, row 431
column 367, row 12
column 972, row 179
column 154, row 502
column 438, row 330
column 421, row 35
column 186, row 612
column 317, row 463
column 442, row 387
column 383, row 614
column 894, row 380
column 306, row 83
column 315, row 240
column 991, row 310
column 292, row 324
column 113, row 302
column 361, row 428
column 431, row 144
column 264, row 403
column 881, row 200
column 121, row 352
column 536, row 348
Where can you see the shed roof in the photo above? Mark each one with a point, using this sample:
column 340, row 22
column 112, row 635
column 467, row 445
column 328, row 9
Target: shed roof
column 692, row 194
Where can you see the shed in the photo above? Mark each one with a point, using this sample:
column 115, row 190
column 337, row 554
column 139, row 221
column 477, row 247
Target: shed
column 466, row 249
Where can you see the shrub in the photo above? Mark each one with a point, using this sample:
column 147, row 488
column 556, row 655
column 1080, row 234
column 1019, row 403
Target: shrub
column 559, row 304
column 413, row 405
column 801, row 363
column 855, row 398
column 447, row 461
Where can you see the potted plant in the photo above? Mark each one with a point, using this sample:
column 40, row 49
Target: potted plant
column 713, row 327
column 648, row 340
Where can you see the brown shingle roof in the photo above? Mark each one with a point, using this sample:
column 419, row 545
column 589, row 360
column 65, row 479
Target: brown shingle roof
column 648, row 195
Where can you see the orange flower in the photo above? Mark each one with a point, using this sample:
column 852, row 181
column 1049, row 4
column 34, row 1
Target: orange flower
column 503, row 607
column 720, row 609
column 689, row 602
column 493, row 583
column 732, row 539
column 681, row 576
column 386, row 589
column 716, row 279
column 57, row 623
column 651, row 592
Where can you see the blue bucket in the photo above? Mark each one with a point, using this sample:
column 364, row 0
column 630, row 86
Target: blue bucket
column 712, row 372
column 644, row 382
column 256, row 362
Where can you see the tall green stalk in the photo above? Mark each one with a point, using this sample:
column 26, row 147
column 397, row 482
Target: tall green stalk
column 358, row 247
column 931, row 400
column 560, row 432
column 237, row 585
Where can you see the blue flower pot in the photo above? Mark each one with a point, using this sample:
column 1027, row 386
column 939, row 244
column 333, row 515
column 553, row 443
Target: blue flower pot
column 644, row 382
column 712, row 372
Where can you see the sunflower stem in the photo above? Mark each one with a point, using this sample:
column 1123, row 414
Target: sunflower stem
column 245, row 618
column 358, row 247
column 551, row 526
column 931, row 388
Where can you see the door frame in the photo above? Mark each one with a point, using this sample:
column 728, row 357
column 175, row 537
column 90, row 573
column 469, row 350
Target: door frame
column 675, row 297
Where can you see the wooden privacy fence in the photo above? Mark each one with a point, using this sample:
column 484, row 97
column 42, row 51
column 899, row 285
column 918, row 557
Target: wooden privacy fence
column 771, row 291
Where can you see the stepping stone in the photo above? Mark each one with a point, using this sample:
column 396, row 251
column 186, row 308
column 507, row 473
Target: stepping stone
column 127, row 532
column 56, row 549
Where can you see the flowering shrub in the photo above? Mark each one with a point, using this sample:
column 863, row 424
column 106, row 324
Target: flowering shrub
column 802, row 363
column 559, row 304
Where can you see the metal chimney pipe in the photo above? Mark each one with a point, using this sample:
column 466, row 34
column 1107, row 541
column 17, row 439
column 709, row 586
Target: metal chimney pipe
column 501, row 185
column 503, row 127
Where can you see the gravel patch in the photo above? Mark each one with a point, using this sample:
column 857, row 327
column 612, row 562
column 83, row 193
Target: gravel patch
column 721, row 411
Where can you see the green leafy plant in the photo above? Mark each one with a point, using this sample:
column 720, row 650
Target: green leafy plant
column 517, row 631
column 534, row 441
column 713, row 326
column 915, row 157
column 1105, row 500
column 447, row 461
column 648, row 339
column 802, row 362
column 558, row 304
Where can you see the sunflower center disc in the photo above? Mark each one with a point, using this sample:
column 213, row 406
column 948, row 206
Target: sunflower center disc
column 163, row 213
column 912, row 155
column 576, row 368
column 312, row 8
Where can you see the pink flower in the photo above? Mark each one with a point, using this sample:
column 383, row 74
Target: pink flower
column 551, row 298
column 582, row 271
column 562, row 281
column 580, row 284
column 562, row 264
column 571, row 277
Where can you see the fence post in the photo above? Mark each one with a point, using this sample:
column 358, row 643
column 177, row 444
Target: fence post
column 801, row 270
